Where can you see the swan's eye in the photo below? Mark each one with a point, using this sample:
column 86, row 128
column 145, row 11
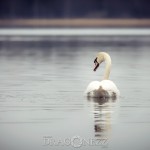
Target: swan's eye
column 95, row 61
column 96, row 64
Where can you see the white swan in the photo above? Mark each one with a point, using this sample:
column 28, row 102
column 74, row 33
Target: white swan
column 105, row 88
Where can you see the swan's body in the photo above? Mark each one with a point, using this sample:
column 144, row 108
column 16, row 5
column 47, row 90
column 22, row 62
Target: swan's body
column 105, row 88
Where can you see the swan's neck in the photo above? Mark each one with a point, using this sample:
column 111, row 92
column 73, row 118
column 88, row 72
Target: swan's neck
column 107, row 60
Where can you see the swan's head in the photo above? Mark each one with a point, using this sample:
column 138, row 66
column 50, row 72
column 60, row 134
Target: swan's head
column 98, row 60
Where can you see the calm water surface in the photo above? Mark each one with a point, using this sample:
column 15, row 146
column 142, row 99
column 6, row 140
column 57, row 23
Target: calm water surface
column 42, row 103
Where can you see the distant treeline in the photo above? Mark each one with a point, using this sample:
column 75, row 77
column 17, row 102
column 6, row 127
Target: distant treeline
column 10, row 9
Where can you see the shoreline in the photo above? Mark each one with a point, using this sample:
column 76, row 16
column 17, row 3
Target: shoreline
column 112, row 23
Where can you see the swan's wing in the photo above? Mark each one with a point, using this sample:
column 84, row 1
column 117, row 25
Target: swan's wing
column 94, row 85
column 110, row 87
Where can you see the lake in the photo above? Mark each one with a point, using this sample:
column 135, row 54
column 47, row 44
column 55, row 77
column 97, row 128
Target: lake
column 42, row 82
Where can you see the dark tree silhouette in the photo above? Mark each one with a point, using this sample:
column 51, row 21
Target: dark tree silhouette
column 74, row 9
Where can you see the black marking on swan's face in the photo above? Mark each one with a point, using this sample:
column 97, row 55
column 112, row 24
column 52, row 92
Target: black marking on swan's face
column 96, row 64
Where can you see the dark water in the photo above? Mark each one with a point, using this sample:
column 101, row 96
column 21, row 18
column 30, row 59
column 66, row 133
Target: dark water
column 42, row 103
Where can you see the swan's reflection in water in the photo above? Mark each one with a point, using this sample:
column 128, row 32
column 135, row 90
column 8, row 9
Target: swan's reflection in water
column 102, row 109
